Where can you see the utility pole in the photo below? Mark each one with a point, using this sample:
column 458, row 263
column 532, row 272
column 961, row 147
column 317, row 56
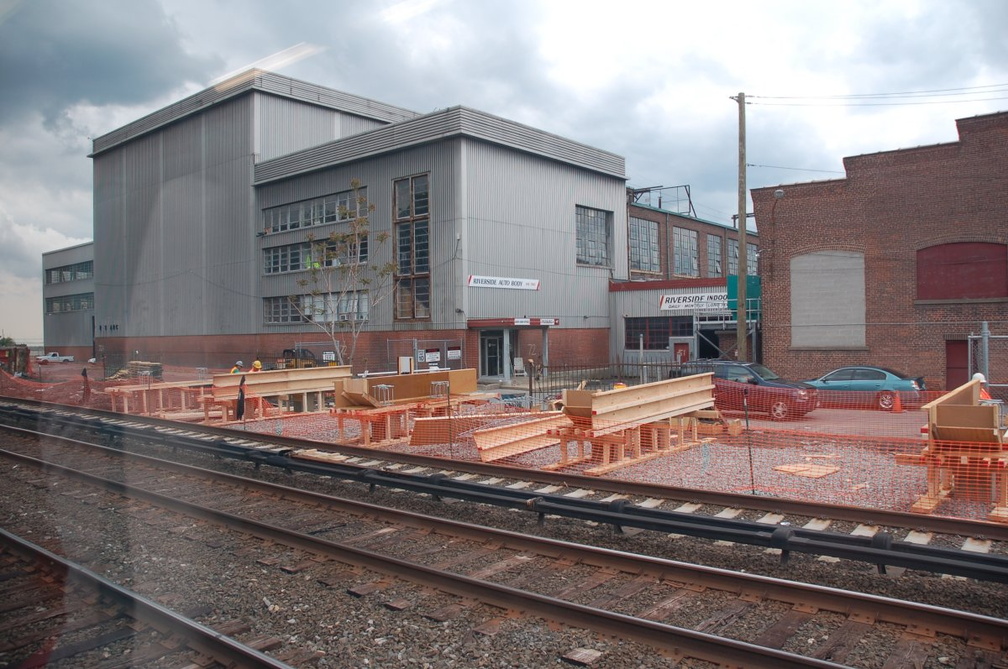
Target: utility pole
column 742, row 314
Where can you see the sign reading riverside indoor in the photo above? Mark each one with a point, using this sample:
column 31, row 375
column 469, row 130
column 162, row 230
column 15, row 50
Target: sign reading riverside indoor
column 503, row 282
column 694, row 302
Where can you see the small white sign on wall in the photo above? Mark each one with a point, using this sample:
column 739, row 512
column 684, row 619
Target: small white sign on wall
column 503, row 282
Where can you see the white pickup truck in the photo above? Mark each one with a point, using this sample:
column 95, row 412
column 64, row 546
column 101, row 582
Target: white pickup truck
column 53, row 356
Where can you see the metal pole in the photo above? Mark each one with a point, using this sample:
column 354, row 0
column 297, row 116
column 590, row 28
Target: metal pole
column 985, row 350
column 640, row 357
column 742, row 317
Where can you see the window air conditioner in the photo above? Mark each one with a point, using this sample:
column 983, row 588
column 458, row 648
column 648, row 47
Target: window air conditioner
column 342, row 317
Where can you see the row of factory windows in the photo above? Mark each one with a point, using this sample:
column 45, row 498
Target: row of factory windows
column 68, row 303
column 645, row 251
column 76, row 272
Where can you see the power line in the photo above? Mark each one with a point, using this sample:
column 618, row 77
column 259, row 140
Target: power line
column 928, row 93
column 796, row 169
column 871, row 104
column 887, row 99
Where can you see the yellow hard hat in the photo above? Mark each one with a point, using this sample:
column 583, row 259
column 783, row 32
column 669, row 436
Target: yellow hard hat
column 257, row 365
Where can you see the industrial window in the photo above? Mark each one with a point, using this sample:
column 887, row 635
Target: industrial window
column 76, row 272
column 412, row 214
column 288, row 258
column 332, row 252
column 962, row 271
column 347, row 306
column 342, row 206
column 684, row 244
column 644, row 252
column 283, row 310
column 715, row 266
column 656, row 331
column 752, row 258
column 594, row 236
column 68, row 303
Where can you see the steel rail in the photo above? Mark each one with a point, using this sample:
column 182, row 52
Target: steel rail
column 880, row 549
column 990, row 632
column 940, row 524
column 670, row 639
column 197, row 637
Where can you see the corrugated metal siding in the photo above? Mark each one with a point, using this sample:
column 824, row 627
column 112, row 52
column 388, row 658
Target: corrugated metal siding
column 284, row 126
column 253, row 80
column 230, row 223
column 521, row 224
column 174, row 230
column 495, row 212
column 377, row 175
column 71, row 329
column 354, row 125
column 454, row 122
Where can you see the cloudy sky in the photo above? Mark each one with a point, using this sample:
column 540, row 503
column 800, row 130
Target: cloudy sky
column 651, row 81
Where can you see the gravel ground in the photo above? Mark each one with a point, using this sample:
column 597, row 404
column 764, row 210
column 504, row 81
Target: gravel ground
column 347, row 631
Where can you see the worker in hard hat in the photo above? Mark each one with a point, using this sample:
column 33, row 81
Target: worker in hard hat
column 256, row 366
column 237, row 369
column 984, row 393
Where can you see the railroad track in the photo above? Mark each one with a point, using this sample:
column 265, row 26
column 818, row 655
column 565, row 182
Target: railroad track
column 678, row 609
column 49, row 599
column 881, row 537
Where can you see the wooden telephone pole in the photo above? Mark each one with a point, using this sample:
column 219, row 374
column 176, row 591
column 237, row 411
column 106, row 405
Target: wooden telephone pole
column 742, row 313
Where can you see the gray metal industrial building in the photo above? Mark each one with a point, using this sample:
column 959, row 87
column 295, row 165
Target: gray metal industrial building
column 506, row 240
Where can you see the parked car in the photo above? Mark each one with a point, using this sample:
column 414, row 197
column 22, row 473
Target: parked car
column 739, row 386
column 868, row 387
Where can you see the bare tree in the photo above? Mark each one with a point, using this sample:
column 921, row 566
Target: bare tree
column 342, row 285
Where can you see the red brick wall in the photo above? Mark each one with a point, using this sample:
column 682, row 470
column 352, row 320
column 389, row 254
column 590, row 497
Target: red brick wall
column 888, row 207
column 566, row 346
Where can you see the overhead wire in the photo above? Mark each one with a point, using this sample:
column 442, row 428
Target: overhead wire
column 887, row 99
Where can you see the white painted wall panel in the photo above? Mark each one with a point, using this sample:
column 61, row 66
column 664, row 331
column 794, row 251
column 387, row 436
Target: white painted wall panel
column 828, row 300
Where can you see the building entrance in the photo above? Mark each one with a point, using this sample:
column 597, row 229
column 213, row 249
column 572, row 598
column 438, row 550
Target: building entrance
column 491, row 353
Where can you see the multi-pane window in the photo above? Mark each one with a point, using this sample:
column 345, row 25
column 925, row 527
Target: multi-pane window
column 684, row 245
column 752, row 258
column 644, row 253
column 348, row 306
column 594, row 236
column 412, row 216
column 343, row 206
column 305, row 255
column 76, row 272
column 714, row 262
column 283, row 310
column 67, row 303
column 656, row 331
column 289, row 258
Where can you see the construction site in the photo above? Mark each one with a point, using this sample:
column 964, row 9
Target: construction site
column 946, row 456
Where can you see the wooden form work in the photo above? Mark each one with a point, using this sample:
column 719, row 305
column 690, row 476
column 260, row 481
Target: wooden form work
column 965, row 454
column 628, row 426
column 157, row 398
column 614, row 428
column 307, row 385
column 385, row 406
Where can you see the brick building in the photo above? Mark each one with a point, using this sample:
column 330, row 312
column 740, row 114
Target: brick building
column 896, row 265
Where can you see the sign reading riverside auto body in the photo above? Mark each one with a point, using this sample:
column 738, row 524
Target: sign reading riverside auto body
column 694, row 302
column 503, row 282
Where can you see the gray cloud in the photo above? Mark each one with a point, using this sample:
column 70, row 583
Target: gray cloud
column 57, row 53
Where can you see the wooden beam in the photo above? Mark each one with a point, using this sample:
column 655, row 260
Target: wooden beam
column 614, row 410
column 500, row 442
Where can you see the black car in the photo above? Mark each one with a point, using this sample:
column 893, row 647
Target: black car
column 739, row 386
